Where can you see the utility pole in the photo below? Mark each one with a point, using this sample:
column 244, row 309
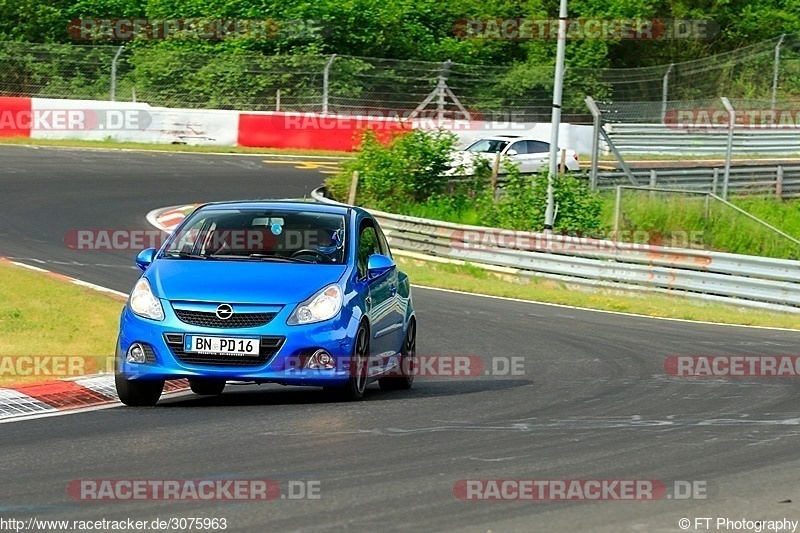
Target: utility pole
column 555, row 121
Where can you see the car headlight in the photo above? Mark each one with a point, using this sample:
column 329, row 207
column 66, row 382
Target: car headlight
column 323, row 305
column 144, row 303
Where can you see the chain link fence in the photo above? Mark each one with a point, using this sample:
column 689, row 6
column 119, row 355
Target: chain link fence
column 175, row 77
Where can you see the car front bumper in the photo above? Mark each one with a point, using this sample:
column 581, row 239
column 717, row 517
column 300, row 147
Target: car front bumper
column 285, row 366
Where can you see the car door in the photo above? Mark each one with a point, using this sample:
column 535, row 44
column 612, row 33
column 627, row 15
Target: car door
column 538, row 155
column 520, row 157
column 401, row 303
column 381, row 293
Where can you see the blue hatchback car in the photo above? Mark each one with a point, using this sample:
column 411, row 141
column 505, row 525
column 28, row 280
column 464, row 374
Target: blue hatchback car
column 284, row 292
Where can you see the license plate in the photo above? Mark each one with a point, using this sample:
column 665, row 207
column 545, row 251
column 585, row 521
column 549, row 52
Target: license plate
column 221, row 345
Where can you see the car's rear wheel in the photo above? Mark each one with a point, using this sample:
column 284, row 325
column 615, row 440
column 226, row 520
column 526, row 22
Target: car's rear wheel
column 207, row 387
column 357, row 382
column 138, row 392
column 408, row 353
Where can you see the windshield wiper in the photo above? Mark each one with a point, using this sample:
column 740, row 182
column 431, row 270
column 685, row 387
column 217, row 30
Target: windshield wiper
column 184, row 255
column 266, row 257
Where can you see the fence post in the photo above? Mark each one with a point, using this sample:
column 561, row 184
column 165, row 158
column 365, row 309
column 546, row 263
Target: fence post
column 495, row 172
column 714, row 181
column 775, row 70
column 779, row 183
column 653, row 181
column 590, row 103
column 441, row 89
column 278, row 100
column 325, row 76
column 114, row 74
column 664, row 92
column 617, row 209
column 731, row 122
column 351, row 196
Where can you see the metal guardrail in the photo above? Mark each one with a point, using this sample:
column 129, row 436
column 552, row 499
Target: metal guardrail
column 736, row 279
column 783, row 181
column 662, row 139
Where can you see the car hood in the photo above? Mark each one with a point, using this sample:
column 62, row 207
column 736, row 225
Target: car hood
column 256, row 282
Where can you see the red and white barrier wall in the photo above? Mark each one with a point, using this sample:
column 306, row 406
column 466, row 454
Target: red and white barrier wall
column 95, row 120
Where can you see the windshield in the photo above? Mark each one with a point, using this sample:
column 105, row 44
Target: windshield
column 491, row 146
column 260, row 235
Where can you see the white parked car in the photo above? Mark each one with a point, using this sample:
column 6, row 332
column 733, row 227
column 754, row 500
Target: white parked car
column 532, row 155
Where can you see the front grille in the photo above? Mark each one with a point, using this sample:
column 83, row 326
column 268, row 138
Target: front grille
column 149, row 354
column 268, row 347
column 238, row 320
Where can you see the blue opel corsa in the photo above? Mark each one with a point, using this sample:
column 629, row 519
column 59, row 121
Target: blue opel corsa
column 282, row 292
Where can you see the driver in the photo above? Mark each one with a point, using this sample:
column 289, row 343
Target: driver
column 328, row 242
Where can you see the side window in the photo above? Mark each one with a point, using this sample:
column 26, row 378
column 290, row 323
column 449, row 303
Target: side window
column 385, row 250
column 367, row 245
column 538, row 147
column 520, row 147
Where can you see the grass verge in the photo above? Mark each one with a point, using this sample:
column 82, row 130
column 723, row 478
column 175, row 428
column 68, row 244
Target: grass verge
column 42, row 317
column 114, row 145
column 470, row 278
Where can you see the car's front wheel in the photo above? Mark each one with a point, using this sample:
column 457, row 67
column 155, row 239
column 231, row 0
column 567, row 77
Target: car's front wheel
column 138, row 393
column 407, row 354
column 357, row 382
column 207, row 387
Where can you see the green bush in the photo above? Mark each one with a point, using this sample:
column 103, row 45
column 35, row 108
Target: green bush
column 408, row 170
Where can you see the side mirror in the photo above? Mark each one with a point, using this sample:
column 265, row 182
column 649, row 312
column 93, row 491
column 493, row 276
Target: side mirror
column 377, row 265
column 511, row 152
column 144, row 258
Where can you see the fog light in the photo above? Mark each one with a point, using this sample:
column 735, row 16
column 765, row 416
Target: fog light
column 136, row 354
column 320, row 360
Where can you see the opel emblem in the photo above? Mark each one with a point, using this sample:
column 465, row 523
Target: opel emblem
column 224, row 312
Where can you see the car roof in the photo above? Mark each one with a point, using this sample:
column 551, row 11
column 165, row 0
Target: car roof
column 510, row 138
column 292, row 205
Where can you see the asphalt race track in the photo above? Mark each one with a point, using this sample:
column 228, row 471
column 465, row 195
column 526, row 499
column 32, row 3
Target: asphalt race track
column 594, row 401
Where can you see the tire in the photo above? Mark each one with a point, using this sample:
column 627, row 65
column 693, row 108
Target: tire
column 138, row 393
column 207, row 387
column 408, row 352
column 357, row 382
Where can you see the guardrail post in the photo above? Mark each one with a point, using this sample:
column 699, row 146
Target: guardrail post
column 729, row 149
column 779, row 183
